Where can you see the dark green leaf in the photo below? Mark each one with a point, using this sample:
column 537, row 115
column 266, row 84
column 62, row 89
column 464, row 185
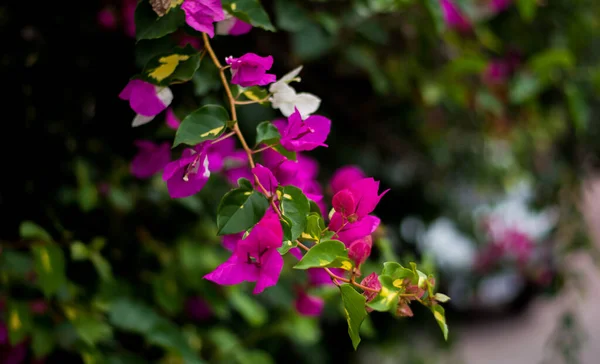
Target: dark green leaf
column 167, row 293
column 255, row 93
column 578, row 108
column 397, row 271
column 440, row 316
column 249, row 11
column 254, row 313
column 290, row 16
column 169, row 336
column 147, row 49
column 133, row 316
column 42, row 342
column 288, row 243
column 15, row 263
column 354, row 310
column 284, row 152
column 325, row 254
column 239, row 210
column 31, row 231
column 148, row 25
column 245, row 183
column 18, row 322
column 206, row 123
column 175, row 66
column 266, row 131
column 49, row 265
column 527, row 9
column 295, row 206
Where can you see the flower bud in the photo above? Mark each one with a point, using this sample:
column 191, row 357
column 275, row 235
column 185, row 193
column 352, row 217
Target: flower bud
column 343, row 202
column 371, row 281
column 360, row 250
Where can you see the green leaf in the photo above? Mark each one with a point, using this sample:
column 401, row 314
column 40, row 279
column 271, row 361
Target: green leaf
column 169, row 336
column 15, row 263
column 284, row 152
column 206, row 123
column 255, row 93
column 325, row 254
column 175, row 66
column 440, row 316
column 254, row 313
column 133, row 316
column 288, row 243
column 42, row 342
column 527, row 9
column 524, row 87
column 387, row 299
column 240, row 209
column 102, row 266
column 79, row 251
column 295, row 206
column 435, row 10
column 354, row 309
column 19, row 322
column 290, row 16
column 31, row 231
column 148, row 25
column 578, row 108
column 314, row 226
column 249, row 11
column 267, row 132
column 397, row 271
column 440, row 297
column 91, row 330
column 167, row 293
column 49, row 265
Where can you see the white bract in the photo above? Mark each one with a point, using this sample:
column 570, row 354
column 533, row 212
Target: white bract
column 286, row 99
column 164, row 95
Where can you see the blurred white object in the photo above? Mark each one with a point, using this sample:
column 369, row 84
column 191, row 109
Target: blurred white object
column 451, row 249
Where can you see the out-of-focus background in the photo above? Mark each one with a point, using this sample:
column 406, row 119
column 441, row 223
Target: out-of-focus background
column 479, row 115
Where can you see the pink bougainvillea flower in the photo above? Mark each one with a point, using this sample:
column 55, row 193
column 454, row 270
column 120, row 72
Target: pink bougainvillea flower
column 347, row 232
column 266, row 179
column 171, row 120
column 150, row 159
column 359, row 200
column 232, row 26
column 499, row 5
column 344, row 177
column 230, row 241
column 359, row 250
column 453, row 17
column 304, row 135
column 371, row 281
column 128, row 13
column 187, row 175
column 198, row 309
column 255, row 258
column 307, row 305
column 300, row 173
column 201, row 14
column 296, row 253
column 251, row 70
column 146, row 99
column 106, row 19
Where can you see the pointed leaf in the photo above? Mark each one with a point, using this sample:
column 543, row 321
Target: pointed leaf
column 325, row 254
column 49, row 266
column 440, row 316
column 267, row 132
column 354, row 309
column 31, row 231
column 148, row 25
column 175, row 66
column 206, row 123
column 387, row 299
column 239, row 210
column 91, row 330
column 295, row 206
column 19, row 322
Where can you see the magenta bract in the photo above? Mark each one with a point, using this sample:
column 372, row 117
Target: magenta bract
column 150, row 159
column 201, row 14
column 187, row 175
column 250, row 70
column 304, row 135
